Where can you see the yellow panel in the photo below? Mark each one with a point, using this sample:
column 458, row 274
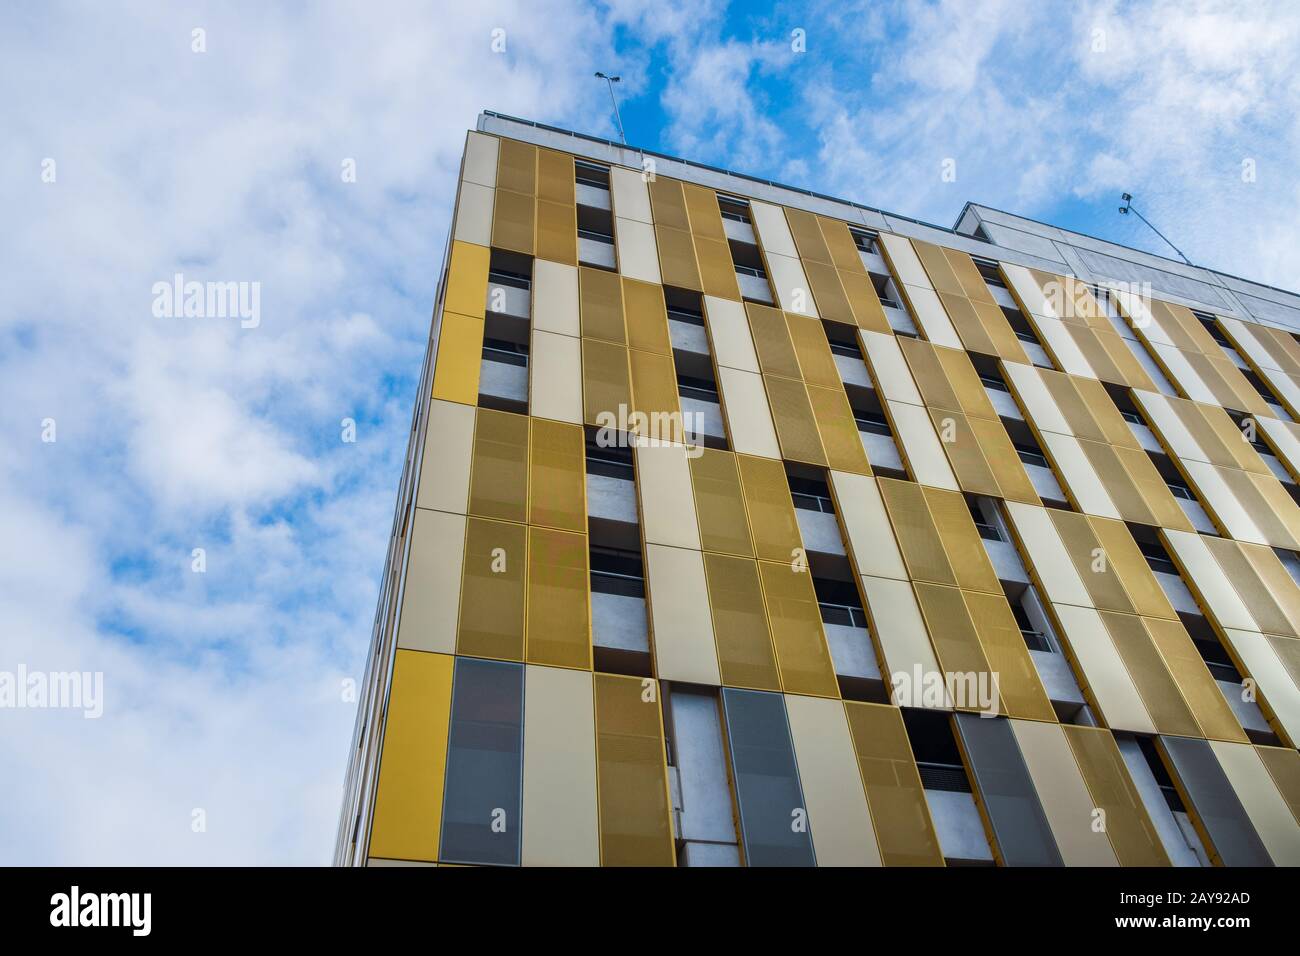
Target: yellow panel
column 1198, row 688
column 632, row 774
column 1004, row 646
column 1120, row 487
column 1063, row 794
column 807, row 236
column 492, row 590
column 717, row 270
column 647, row 319
column 557, row 476
column 601, row 301
column 517, row 167
column 916, row 533
column 555, row 177
column 467, row 280
column 1161, row 502
column 961, row 541
column 937, row 267
column 719, row 504
column 813, row 351
column 832, row 303
column 460, row 356
column 956, row 642
column 839, row 432
column 740, row 628
column 669, row 204
column 893, row 784
column 559, row 631
column 770, row 509
column 1281, row 587
column 967, row 323
column 839, row 242
column 962, row 447
column 862, row 296
column 606, row 385
column 1009, row 473
column 776, row 355
column 1099, row 575
column 796, row 428
column 1102, row 674
column 1284, row 767
column 899, row 630
column 408, row 798
column 1126, row 562
column 705, row 215
column 654, row 393
column 1155, row 684
column 801, row 652
column 513, row 222
column 1132, row 834
column 1003, row 337
column 928, row 371
column 557, row 232
column 499, row 473
column 677, row 258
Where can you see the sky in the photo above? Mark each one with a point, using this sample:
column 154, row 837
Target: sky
column 181, row 509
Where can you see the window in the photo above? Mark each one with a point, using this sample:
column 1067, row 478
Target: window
column 845, row 348
column 839, row 602
column 610, row 462
column 811, row 495
column 737, row 210
column 1133, row 418
column 937, row 757
column 873, row 423
column 1157, row 557
column 591, row 174
column 1031, row 456
column 697, row 388
column 991, row 273
column 616, row 571
column 865, row 241
column 508, row 353
column 994, row 382
column 1035, row 639
column 596, row 236
column 986, row 528
column 1180, row 490
column 751, row 271
column 679, row 314
column 512, row 279
column 842, row 615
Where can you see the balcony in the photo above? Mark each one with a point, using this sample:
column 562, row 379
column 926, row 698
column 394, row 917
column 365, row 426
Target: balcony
column 820, row 531
column 618, row 622
column 595, row 249
column 852, row 652
column 1057, row 677
column 739, row 231
column 511, row 298
column 506, row 380
column 688, row 336
column 873, row 262
column 754, row 287
column 613, row 499
column 593, row 196
column 1003, row 297
column 702, row 418
column 881, row 450
column 853, row 371
column 899, row 320
column 1004, row 404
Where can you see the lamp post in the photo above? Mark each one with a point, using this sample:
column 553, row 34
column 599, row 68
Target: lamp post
column 610, row 81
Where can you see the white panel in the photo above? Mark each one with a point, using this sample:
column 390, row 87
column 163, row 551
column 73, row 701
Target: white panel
column 1080, row 479
column 1208, row 578
column 838, row 816
column 749, row 418
column 1283, row 440
column 1043, row 411
column 889, row 369
column 1183, row 375
column 1048, row 557
column 921, row 445
column 862, row 513
column 680, row 618
column 1026, row 289
column 555, row 297
column 791, row 285
column 773, row 231
column 638, row 254
column 1220, row 499
column 1271, row 677
column 903, row 260
column 555, row 377
column 431, row 594
column 900, row 630
column 929, row 312
column 1268, row 812
column 561, row 820
column 481, row 159
column 448, row 453
column 1063, row 348
column 733, row 343
column 474, row 214
column 1169, row 426
column 631, row 194
column 1103, row 669
column 1283, row 386
column 663, row 479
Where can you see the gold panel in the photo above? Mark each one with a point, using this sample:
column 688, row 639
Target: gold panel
column 839, row 432
column 1019, row 685
column 512, row 222
column 953, row 634
column 807, row 236
column 776, row 355
column 1127, row 497
column 717, row 270
column 1236, row 561
column 1132, row 834
column 499, row 473
column 1003, row 337
column 467, row 280
column 962, row 446
column 813, row 351
column 669, row 203
column 801, row 652
column 492, row 590
column 796, row 429
column 1013, row 481
column 961, row 541
column 1092, row 561
column 893, row 784
column 1198, row 688
column 601, row 302
column 632, row 776
column 517, row 167
column 867, row 310
column 654, row 392
column 967, row 323
column 559, row 630
column 928, row 371
column 677, row 262
column 915, row 530
column 1156, row 496
column 1284, row 767
column 459, row 359
column 408, row 797
column 740, row 628
column 555, row 177
column 938, row 268
column 1155, row 684
column 557, row 476
column 973, row 285
column 557, row 232
column 605, row 380
column 832, row 303
column 770, row 509
column 840, row 244
column 719, row 504
column 1281, row 588
column 1126, row 562
column 647, row 318
column 704, row 213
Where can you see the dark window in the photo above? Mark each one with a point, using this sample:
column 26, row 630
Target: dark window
column 508, row 353
column 1157, row 557
column 678, row 314
column 591, row 174
column 615, row 571
column 992, row 381
column 481, row 806
column 845, row 348
column 767, row 780
column 699, row 388
column 991, row 273
column 872, row 422
column 987, row 529
column 1035, row 639
column 811, row 495
column 597, row 236
column 865, row 241
column 514, row 279
column 1131, row 417
column 1031, row 456
column 751, row 271
column 1180, row 490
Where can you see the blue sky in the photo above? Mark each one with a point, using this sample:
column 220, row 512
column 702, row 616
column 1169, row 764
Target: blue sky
column 225, row 689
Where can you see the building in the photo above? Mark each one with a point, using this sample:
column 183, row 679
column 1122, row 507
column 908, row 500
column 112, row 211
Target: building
column 957, row 547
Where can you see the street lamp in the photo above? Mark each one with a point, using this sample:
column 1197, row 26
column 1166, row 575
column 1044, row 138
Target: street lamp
column 610, row 81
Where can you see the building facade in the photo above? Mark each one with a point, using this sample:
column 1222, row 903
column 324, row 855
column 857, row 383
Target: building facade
column 746, row 526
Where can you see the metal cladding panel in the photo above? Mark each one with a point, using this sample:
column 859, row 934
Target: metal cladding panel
column 1208, row 795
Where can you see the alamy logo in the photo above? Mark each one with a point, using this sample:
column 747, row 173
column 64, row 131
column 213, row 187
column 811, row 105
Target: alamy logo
column 627, row 429
column 103, row 909
column 54, row 690
column 965, row 690
column 208, row 300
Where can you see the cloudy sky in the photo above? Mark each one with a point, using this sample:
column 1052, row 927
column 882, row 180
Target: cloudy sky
column 129, row 157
